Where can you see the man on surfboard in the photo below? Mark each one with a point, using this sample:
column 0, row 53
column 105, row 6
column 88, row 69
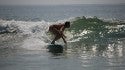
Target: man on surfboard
column 57, row 30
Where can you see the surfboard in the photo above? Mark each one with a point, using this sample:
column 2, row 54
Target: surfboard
column 55, row 48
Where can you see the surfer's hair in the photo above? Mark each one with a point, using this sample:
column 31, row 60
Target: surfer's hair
column 67, row 24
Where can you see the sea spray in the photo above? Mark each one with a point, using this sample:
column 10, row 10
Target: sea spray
column 34, row 32
column 32, row 35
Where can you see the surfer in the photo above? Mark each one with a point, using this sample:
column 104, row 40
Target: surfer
column 57, row 30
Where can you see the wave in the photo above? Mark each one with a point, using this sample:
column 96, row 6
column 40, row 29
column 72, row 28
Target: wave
column 32, row 32
column 95, row 30
column 28, row 35
column 33, row 35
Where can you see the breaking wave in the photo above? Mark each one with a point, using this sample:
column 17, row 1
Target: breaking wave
column 94, row 31
column 33, row 35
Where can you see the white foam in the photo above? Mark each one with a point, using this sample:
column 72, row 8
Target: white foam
column 36, row 32
column 33, row 44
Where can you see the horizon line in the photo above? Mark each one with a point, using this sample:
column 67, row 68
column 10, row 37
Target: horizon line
column 67, row 4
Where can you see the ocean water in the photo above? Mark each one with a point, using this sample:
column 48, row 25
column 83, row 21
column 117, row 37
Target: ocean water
column 55, row 13
column 96, row 38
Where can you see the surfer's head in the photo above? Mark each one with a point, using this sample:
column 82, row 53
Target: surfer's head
column 67, row 24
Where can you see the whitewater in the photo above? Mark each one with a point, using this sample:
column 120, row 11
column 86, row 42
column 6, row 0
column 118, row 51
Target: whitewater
column 28, row 34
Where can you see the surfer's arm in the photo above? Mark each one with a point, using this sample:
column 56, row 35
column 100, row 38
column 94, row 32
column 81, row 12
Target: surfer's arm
column 56, row 30
column 63, row 35
column 61, row 31
column 64, row 40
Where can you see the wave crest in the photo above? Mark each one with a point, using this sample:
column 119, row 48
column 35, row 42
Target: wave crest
column 96, row 30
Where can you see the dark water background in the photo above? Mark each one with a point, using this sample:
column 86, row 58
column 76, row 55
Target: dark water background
column 54, row 13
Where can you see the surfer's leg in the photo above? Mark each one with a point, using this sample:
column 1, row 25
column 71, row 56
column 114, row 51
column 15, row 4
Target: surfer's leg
column 64, row 40
column 53, row 42
column 55, row 39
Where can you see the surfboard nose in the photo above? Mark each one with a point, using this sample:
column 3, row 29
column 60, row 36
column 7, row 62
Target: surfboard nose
column 55, row 48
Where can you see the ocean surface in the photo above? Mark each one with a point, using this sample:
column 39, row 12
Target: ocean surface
column 96, row 38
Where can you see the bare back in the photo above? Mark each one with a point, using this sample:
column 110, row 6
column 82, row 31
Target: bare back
column 54, row 28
